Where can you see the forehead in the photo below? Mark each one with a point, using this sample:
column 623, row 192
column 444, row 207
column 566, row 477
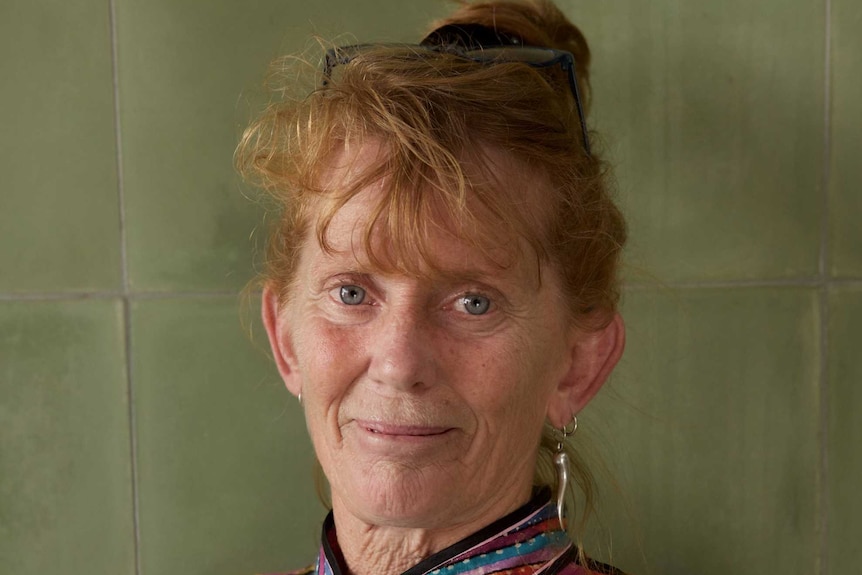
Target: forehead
column 350, row 237
column 422, row 229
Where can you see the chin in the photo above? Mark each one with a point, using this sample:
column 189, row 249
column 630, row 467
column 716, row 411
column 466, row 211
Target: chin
column 400, row 496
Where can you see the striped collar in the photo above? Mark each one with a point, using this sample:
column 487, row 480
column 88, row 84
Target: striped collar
column 528, row 541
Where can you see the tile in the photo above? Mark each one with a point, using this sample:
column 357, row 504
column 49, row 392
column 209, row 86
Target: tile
column 225, row 464
column 710, row 426
column 845, row 431
column 189, row 74
column 59, row 221
column 65, row 467
column 712, row 114
column 845, row 173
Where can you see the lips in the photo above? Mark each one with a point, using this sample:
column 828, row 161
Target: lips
column 401, row 430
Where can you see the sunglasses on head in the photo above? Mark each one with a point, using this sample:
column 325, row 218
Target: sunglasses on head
column 478, row 44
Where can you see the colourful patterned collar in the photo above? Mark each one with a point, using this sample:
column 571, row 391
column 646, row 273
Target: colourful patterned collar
column 528, row 541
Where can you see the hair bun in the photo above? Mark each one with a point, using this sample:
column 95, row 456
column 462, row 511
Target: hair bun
column 533, row 22
column 470, row 36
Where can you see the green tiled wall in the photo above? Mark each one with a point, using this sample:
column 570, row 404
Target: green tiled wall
column 223, row 460
column 143, row 432
column 714, row 113
column 845, row 191
column 65, row 466
column 717, row 399
column 845, row 428
column 58, row 207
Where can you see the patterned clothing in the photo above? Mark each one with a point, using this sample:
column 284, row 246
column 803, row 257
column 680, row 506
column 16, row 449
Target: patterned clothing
column 528, row 541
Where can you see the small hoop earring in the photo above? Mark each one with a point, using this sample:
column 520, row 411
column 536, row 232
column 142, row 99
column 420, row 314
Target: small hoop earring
column 573, row 424
column 561, row 462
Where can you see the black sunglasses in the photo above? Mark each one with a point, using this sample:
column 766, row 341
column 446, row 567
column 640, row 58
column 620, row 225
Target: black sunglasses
column 533, row 56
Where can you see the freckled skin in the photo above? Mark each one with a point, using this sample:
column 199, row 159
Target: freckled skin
column 425, row 418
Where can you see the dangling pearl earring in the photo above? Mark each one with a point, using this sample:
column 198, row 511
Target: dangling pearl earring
column 299, row 397
column 561, row 461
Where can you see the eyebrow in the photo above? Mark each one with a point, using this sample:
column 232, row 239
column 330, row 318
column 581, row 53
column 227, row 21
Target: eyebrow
column 485, row 271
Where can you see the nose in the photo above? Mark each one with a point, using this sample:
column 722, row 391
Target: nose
column 402, row 350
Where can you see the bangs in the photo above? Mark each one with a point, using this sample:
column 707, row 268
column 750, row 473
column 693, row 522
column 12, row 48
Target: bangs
column 472, row 195
column 420, row 137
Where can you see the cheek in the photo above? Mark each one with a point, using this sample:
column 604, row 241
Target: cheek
column 326, row 358
column 329, row 360
column 499, row 381
column 527, row 375
column 324, row 350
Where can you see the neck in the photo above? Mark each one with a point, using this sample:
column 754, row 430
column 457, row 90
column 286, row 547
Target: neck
column 370, row 548
column 373, row 550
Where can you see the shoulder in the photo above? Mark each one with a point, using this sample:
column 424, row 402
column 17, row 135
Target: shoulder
column 592, row 567
column 599, row 568
column 304, row 571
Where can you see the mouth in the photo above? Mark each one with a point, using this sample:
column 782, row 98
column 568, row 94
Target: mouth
column 392, row 430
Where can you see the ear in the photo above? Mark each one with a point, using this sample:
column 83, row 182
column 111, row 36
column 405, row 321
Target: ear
column 592, row 357
column 279, row 340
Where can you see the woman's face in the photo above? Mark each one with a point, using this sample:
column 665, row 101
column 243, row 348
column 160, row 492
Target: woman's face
column 424, row 399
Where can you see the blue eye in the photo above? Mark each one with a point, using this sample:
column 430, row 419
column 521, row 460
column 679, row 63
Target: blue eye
column 476, row 304
column 352, row 295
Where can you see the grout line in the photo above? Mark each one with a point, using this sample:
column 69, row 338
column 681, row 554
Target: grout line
column 799, row 282
column 843, row 282
column 133, row 436
column 823, row 470
column 59, row 296
column 118, row 142
column 823, row 431
column 157, row 295
column 796, row 282
column 124, row 271
column 132, row 296
column 823, row 263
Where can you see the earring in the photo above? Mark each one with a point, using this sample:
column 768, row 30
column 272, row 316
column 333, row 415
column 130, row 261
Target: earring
column 561, row 461
column 299, row 397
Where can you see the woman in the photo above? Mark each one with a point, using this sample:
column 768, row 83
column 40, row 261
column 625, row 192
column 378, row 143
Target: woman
column 441, row 290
